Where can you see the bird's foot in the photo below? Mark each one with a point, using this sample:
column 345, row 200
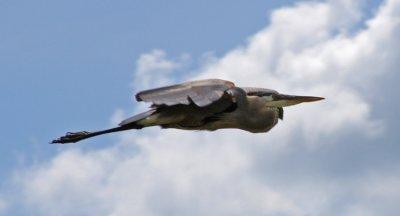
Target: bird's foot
column 71, row 137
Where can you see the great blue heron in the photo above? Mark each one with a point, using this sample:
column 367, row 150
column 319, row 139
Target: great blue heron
column 204, row 105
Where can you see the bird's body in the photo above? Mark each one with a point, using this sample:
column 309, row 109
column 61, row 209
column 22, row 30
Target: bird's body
column 253, row 116
column 205, row 105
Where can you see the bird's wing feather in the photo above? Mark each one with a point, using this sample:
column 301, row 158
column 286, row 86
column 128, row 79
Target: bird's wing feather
column 201, row 92
column 252, row 91
column 132, row 120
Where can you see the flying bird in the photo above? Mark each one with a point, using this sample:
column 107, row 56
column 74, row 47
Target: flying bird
column 210, row 104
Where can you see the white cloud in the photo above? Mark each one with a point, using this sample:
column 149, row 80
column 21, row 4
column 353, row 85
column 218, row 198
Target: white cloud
column 161, row 178
column 300, row 53
column 379, row 195
column 310, row 48
column 154, row 68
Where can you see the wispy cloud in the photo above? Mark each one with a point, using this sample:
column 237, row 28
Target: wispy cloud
column 3, row 205
column 155, row 68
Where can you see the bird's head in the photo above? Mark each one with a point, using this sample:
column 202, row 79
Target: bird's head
column 276, row 99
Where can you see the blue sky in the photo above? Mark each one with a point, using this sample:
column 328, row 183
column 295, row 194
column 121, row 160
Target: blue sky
column 73, row 65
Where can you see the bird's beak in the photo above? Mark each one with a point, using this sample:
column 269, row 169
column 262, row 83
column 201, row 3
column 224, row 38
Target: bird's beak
column 283, row 100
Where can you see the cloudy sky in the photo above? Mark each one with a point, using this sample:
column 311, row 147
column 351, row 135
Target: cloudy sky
column 75, row 65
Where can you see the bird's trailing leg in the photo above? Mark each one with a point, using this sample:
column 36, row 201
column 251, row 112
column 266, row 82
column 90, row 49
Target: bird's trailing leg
column 73, row 137
column 134, row 122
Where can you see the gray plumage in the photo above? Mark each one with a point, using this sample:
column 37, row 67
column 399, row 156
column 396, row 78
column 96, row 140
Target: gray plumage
column 205, row 105
column 201, row 93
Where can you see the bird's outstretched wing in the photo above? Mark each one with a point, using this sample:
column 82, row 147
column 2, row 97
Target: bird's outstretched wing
column 251, row 91
column 201, row 92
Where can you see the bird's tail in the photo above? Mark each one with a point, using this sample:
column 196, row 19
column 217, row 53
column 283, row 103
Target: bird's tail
column 127, row 124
